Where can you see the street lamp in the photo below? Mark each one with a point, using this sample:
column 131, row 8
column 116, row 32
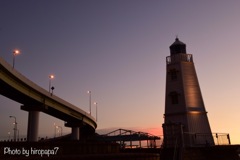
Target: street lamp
column 18, row 135
column 9, row 136
column 15, row 127
column 60, row 128
column 96, row 109
column 54, row 130
column 51, row 76
column 15, row 53
column 52, row 88
column 89, row 92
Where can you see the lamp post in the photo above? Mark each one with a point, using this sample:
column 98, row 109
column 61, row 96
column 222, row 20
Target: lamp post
column 18, row 135
column 51, row 76
column 60, row 128
column 54, row 129
column 15, row 53
column 90, row 96
column 52, row 88
column 9, row 136
column 96, row 109
column 15, row 127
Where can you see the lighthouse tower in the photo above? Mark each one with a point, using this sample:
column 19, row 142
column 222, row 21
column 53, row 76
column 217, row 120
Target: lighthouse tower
column 185, row 118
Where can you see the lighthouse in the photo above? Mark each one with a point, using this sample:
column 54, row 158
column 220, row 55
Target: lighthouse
column 185, row 119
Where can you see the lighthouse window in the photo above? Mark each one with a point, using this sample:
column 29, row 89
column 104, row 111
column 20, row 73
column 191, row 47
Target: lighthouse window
column 173, row 74
column 174, row 97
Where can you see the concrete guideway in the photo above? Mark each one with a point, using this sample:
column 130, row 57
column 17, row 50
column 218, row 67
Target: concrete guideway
column 35, row 99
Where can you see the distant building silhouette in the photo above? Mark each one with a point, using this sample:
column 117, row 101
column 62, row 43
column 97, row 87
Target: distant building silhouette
column 185, row 118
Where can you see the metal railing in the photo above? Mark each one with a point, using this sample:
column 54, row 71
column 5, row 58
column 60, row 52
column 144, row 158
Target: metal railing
column 179, row 58
column 205, row 139
column 196, row 140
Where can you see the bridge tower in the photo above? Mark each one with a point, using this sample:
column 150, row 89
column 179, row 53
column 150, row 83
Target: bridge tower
column 185, row 118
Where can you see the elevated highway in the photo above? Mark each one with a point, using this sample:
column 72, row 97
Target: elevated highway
column 35, row 99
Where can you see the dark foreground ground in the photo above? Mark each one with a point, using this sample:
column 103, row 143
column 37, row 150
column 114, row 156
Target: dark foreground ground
column 74, row 150
column 228, row 152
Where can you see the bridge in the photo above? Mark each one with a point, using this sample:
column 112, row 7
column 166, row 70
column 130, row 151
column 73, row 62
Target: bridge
column 35, row 99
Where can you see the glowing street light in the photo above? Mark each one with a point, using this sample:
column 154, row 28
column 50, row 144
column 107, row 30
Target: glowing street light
column 15, row 127
column 96, row 109
column 15, row 53
column 89, row 92
column 58, row 130
column 51, row 76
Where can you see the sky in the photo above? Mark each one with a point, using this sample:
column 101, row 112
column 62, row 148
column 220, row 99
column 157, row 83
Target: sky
column 117, row 49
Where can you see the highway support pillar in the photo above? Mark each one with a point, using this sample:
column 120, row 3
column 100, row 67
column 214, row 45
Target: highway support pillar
column 33, row 122
column 75, row 133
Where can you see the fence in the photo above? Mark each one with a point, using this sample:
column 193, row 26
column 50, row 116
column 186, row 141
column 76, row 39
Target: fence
column 196, row 140
column 202, row 139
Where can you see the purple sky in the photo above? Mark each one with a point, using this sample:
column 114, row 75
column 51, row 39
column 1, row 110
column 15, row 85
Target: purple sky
column 117, row 49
